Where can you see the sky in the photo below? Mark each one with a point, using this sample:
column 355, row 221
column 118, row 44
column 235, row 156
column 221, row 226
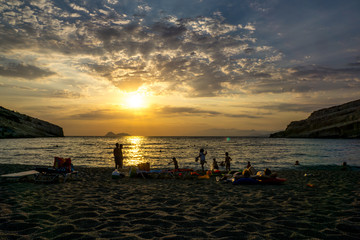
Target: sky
column 177, row 68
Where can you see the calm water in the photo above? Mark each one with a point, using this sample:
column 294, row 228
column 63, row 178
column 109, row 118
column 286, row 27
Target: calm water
column 262, row 152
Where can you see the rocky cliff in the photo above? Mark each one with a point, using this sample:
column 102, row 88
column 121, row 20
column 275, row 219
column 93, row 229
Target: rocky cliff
column 341, row 121
column 16, row 125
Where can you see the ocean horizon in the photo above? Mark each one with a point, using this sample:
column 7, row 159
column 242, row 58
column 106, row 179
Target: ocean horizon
column 93, row 151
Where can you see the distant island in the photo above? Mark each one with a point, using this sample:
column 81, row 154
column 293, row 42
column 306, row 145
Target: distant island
column 341, row 121
column 17, row 125
column 111, row 134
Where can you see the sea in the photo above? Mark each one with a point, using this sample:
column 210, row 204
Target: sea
column 273, row 153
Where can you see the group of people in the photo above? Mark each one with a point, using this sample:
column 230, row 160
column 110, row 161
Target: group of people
column 119, row 159
column 215, row 165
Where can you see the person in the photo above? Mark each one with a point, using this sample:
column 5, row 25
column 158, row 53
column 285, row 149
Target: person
column 215, row 164
column 344, row 166
column 227, row 161
column 297, row 163
column 251, row 169
column 267, row 172
column 202, row 155
column 248, row 165
column 176, row 166
column 118, row 156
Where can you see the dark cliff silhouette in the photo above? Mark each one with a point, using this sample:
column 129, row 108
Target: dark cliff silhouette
column 341, row 121
column 17, row 125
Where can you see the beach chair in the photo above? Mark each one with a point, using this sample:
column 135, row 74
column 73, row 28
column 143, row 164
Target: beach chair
column 62, row 168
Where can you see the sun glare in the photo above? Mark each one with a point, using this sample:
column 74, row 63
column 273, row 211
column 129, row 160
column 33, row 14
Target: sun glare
column 135, row 101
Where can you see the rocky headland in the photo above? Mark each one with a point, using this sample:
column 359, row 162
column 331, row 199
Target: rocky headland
column 17, row 125
column 111, row 134
column 341, row 121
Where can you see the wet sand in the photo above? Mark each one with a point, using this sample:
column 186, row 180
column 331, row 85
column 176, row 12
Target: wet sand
column 95, row 206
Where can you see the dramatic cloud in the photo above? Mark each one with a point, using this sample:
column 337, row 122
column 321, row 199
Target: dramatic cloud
column 196, row 53
column 294, row 56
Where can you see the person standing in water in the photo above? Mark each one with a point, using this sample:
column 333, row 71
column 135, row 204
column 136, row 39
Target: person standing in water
column 118, row 156
column 176, row 166
column 202, row 155
column 227, row 161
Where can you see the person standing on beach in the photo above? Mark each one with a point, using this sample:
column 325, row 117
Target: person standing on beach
column 118, row 156
column 202, row 155
column 227, row 161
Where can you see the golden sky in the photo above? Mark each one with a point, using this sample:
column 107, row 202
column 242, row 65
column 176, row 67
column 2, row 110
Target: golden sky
column 185, row 67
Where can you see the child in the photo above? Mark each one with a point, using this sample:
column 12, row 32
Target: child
column 227, row 161
column 176, row 166
column 202, row 155
column 215, row 164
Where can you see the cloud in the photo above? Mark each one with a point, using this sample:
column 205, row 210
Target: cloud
column 320, row 72
column 191, row 111
column 101, row 114
column 188, row 52
column 186, row 111
column 21, row 70
column 291, row 107
column 39, row 92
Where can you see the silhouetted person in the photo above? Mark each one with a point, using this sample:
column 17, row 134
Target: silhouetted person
column 227, row 161
column 118, row 156
column 248, row 165
column 344, row 166
column 202, row 155
column 176, row 166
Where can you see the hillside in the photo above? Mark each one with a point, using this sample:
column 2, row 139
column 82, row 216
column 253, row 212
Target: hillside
column 341, row 121
column 16, row 125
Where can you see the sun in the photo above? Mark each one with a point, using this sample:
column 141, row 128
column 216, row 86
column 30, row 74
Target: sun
column 135, row 100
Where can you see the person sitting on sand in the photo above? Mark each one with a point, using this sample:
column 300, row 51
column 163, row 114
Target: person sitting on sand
column 118, row 156
column 176, row 166
column 215, row 165
column 202, row 155
column 227, row 161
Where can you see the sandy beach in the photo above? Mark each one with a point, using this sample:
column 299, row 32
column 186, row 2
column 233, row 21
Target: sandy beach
column 324, row 204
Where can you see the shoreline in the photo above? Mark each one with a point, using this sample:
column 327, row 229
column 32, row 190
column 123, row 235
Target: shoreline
column 97, row 206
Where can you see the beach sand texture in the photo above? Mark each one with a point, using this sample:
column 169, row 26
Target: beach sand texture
column 325, row 204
